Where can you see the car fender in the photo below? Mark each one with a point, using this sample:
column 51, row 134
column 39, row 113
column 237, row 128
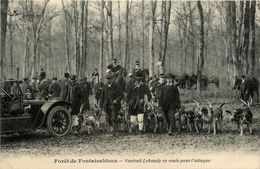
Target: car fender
column 52, row 103
column 45, row 109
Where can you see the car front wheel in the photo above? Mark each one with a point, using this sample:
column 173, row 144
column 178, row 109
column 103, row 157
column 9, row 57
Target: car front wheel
column 59, row 121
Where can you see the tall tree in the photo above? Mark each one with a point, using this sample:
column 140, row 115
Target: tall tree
column 4, row 9
column 201, row 39
column 110, row 29
column 151, row 36
column 125, row 57
column 37, row 26
column 119, row 29
column 142, row 36
column 101, row 51
column 252, row 37
column 76, row 36
column 82, row 40
column 67, row 42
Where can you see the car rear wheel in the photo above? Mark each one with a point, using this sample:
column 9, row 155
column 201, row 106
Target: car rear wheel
column 59, row 121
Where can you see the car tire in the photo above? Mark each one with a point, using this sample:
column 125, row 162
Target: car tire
column 59, row 121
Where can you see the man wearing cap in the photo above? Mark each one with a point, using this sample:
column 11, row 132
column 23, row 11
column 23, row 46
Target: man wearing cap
column 74, row 95
column 113, row 66
column 156, row 89
column 54, row 88
column 138, row 69
column 135, row 98
column 170, row 101
column 131, row 81
column 25, row 85
column 64, row 86
column 111, row 101
column 34, row 85
column 43, row 86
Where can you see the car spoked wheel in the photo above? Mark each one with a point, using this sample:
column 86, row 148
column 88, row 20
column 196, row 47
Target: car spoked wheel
column 59, row 121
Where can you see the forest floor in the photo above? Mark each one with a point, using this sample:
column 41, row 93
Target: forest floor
column 42, row 144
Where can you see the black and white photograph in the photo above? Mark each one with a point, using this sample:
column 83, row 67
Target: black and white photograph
column 129, row 84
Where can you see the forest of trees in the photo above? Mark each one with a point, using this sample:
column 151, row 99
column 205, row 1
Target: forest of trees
column 202, row 37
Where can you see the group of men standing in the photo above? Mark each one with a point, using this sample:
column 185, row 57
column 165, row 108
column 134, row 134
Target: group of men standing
column 137, row 95
column 69, row 89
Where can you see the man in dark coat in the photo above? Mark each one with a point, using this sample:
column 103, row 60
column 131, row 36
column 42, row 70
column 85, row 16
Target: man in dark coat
column 64, row 86
column 113, row 66
column 43, row 86
column 111, row 101
column 54, row 88
column 138, row 70
column 135, row 98
column 156, row 88
column 98, row 90
column 170, row 102
column 74, row 95
column 25, row 86
column 34, row 85
column 85, row 88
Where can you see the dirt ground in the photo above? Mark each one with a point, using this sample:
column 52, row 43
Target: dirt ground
column 41, row 144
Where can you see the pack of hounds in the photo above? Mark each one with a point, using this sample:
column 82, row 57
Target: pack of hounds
column 198, row 119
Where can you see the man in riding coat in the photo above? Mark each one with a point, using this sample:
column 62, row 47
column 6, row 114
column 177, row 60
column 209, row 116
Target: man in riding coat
column 169, row 101
column 74, row 96
column 135, row 99
column 113, row 66
column 64, row 86
column 156, row 89
column 85, row 88
column 111, row 101
column 138, row 69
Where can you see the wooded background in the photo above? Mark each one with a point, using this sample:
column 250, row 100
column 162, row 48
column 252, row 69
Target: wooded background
column 202, row 37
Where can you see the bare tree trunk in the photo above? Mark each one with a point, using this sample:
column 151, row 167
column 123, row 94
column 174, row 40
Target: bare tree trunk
column 111, row 37
column 252, row 37
column 52, row 59
column 192, row 39
column 142, row 39
column 201, row 54
column 67, row 43
column 101, row 52
column 11, row 30
column 246, row 38
column 151, row 37
column 119, row 29
column 37, row 26
column 124, row 60
column 233, row 41
column 82, row 40
column 85, row 56
column 4, row 8
column 77, row 37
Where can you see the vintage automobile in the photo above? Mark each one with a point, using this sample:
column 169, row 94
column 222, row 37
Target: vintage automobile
column 20, row 115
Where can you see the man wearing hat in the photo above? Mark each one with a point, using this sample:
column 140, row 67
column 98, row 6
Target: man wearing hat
column 135, row 99
column 156, row 89
column 74, row 95
column 25, row 85
column 43, row 86
column 111, row 101
column 170, row 101
column 34, row 85
column 113, row 66
column 64, row 86
column 54, row 88
column 138, row 69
